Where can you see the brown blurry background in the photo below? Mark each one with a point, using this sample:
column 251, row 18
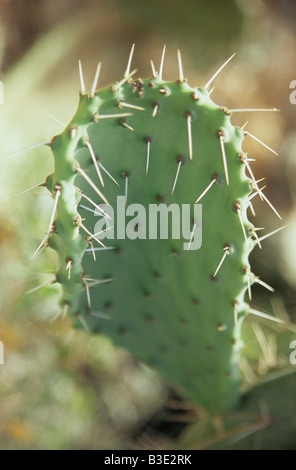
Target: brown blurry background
column 60, row 389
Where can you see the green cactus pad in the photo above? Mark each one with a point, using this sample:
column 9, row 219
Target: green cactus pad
column 158, row 143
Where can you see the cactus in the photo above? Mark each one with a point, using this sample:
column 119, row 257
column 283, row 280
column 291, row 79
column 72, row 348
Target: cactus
column 264, row 420
column 156, row 143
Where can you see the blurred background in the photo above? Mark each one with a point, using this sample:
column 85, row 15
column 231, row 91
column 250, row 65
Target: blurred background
column 61, row 389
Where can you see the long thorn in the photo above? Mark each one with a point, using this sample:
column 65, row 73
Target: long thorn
column 155, row 109
column 154, row 73
column 260, row 336
column 83, row 323
column 93, row 250
column 226, row 250
column 49, row 231
column 148, row 141
column 39, row 185
column 252, row 109
column 88, row 250
column 92, row 154
column 245, row 161
column 102, row 315
column 123, row 123
column 188, row 116
column 82, row 206
column 252, row 209
column 128, row 67
column 218, row 71
column 161, row 63
column 82, row 86
column 214, row 180
column 69, row 267
column 220, row 134
column 62, row 313
column 41, row 245
column 91, row 234
column 96, row 78
column 192, row 234
column 270, row 205
column 271, row 233
column 260, row 142
column 87, row 294
column 117, row 86
column 249, row 284
column 257, row 313
column 126, row 186
column 103, row 231
column 254, row 234
column 180, row 66
column 180, row 161
column 47, row 283
column 24, row 149
column 108, row 174
column 256, row 193
column 110, row 116
column 211, row 90
column 57, row 120
column 263, row 284
column 122, row 104
column 91, row 183
column 237, row 207
column 102, row 281
column 95, row 205
column 56, row 199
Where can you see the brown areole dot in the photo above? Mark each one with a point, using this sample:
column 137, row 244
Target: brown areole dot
column 180, row 159
column 73, row 132
column 194, row 97
column 109, row 306
column 225, row 111
column 220, row 133
column 122, row 330
column 149, row 318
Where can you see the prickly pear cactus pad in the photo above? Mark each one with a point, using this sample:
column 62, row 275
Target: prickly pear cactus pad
column 177, row 303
